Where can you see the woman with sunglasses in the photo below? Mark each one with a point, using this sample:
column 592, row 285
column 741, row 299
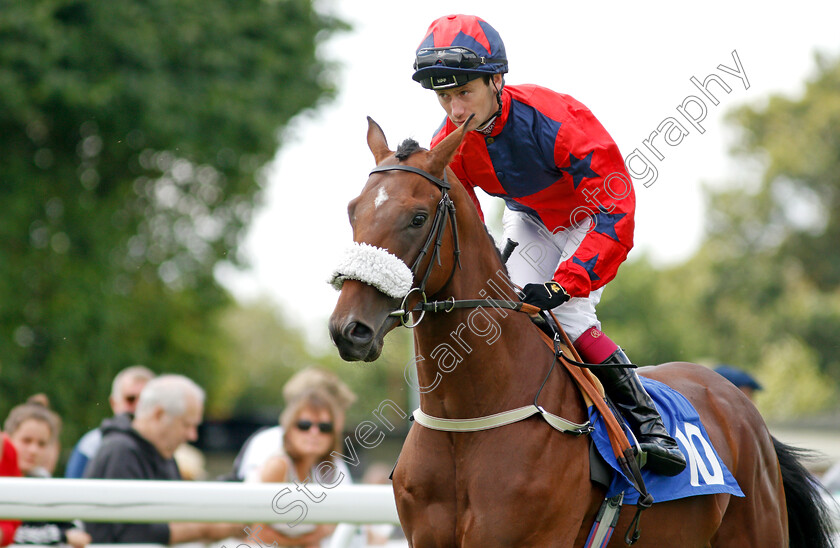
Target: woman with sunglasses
column 264, row 443
column 569, row 200
column 311, row 430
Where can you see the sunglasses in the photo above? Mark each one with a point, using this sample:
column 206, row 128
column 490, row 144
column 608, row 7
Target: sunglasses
column 323, row 427
column 453, row 57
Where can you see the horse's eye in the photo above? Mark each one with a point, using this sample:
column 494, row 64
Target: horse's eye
column 419, row 220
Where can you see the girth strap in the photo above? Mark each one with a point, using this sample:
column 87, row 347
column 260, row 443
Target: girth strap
column 501, row 419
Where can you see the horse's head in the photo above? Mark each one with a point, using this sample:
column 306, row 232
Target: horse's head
column 390, row 265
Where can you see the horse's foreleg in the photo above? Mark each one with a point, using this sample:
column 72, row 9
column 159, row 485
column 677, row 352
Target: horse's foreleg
column 423, row 488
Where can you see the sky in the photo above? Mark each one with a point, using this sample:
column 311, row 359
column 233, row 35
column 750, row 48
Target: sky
column 631, row 64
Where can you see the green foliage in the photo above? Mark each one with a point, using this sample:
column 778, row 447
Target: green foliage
column 638, row 313
column 792, row 384
column 267, row 350
column 133, row 135
column 790, row 225
column 800, row 142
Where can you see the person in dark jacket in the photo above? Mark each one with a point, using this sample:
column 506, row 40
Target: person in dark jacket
column 168, row 414
column 125, row 391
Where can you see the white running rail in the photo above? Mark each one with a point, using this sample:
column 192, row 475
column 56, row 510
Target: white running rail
column 157, row 501
column 166, row 501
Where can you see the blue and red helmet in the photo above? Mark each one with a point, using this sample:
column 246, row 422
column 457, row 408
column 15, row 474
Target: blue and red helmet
column 457, row 49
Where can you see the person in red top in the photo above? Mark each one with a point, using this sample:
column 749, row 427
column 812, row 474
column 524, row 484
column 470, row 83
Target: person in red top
column 8, row 467
column 569, row 200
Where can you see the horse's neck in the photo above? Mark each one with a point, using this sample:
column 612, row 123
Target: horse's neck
column 475, row 362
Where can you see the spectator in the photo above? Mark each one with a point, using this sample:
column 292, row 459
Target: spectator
column 54, row 450
column 191, row 463
column 9, row 468
column 739, row 378
column 168, row 414
column 312, row 424
column 33, row 430
column 125, row 390
column 264, row 443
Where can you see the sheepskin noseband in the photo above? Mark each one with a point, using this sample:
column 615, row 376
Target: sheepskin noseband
column 374, row 266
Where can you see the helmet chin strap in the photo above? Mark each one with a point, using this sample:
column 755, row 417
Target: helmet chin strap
column 488, row 124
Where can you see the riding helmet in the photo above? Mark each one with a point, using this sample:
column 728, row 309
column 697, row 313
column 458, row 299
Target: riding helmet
column 457, row 49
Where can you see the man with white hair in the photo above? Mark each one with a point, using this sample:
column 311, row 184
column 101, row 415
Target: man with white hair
column 168, row 414
column 125, row 391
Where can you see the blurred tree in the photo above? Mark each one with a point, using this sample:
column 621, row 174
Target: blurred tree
column 792, row 385
column 638, row 311
column 266, row 349
column 799, row 140
column 133, row 137
column 787, row 226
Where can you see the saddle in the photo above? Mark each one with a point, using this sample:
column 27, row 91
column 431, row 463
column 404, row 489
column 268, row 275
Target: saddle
column 590, row 387
column 622, row 474
column 624, row 450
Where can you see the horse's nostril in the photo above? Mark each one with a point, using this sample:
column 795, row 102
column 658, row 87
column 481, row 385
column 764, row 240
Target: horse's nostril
column 359, row 333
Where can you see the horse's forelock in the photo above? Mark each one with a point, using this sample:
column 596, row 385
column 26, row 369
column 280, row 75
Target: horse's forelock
column 407, row 148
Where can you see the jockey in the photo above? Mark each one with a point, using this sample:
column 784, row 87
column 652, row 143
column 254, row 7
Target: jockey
column 569, row 201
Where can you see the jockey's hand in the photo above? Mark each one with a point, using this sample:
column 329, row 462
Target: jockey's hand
column 545, row 296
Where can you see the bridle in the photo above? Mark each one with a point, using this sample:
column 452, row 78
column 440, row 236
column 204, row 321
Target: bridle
column 445, row 210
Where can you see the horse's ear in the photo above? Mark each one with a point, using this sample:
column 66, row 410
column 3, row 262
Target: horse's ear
column 377, row 142
column 442, row 154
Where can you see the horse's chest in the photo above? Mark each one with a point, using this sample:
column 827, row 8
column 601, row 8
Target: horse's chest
column 475, row 490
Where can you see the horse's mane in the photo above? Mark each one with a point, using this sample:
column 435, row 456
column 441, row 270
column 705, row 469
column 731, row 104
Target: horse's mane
column 498, row 251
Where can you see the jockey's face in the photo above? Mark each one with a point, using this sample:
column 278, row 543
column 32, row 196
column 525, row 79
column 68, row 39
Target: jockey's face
column 474, row 97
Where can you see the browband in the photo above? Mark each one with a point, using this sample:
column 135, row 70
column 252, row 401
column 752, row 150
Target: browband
column 441, row 183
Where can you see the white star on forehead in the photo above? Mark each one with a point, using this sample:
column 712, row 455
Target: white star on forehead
column 381, row 197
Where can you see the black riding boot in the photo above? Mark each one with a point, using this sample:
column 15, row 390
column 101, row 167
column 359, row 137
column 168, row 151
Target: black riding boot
column 625, row 389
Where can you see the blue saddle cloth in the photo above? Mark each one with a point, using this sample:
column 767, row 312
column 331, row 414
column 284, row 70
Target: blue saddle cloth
column 704, row 474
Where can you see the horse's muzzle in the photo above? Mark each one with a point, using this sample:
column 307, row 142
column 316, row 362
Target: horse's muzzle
column 355, row 340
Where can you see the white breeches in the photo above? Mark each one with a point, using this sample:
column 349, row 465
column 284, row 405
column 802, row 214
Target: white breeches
column 536, row 259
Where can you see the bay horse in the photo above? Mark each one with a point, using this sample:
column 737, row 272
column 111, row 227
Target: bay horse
column 525, row 483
